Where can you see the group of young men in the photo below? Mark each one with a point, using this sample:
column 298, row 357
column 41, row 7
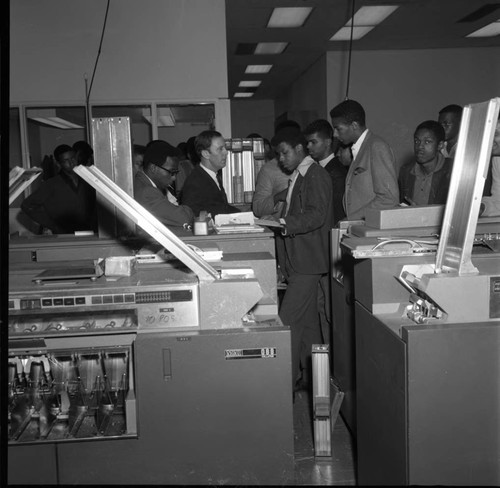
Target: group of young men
column 320, row 176
column 359, row 174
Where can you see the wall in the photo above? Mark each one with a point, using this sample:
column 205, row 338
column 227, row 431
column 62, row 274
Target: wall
column 249, row 116
column 180, row 133
column 152, row 49
column 400, row 89
column 306, row 99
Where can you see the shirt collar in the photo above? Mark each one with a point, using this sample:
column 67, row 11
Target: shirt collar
column 304, row 165
column 357, row 145
column 325, row 161
column 152, row 182
column 212, row 173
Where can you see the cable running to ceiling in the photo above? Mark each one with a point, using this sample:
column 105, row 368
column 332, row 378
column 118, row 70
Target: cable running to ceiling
column 350, row 52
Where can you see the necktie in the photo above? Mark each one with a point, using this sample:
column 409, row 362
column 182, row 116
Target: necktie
column 221, row 186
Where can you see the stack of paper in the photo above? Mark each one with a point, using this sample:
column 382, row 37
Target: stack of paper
column 207, row 250
column 236, row 223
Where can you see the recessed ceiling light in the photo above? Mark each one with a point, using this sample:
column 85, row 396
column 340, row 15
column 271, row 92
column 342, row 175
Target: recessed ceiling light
column 270, row 47
column 243, row 94
column 372, row 15
column 489, row 30
column 250, row 83
column 258, row 68
column 365, row 19
column 289, row 17
column 344, row 34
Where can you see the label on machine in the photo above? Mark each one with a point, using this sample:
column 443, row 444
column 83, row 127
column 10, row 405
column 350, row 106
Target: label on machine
column 257, row 353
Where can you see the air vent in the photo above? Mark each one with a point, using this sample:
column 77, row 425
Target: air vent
column 481, row 12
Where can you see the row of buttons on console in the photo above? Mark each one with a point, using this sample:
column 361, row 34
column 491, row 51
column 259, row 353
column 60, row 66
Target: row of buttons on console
column 95, row 300
column 60, row 302
column 104, row 299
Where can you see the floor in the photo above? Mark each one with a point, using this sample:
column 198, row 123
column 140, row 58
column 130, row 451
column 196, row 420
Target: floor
column 340, row 469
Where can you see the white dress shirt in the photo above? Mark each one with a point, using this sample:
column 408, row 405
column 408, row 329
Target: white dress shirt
column 357, row 145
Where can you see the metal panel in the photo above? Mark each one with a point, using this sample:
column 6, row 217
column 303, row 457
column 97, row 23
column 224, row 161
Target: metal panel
column 466, row 187
column 381, row 376
column 210, row 421
column 454, row 404
column 31, row 465
column 113, row 156
column 148, row 222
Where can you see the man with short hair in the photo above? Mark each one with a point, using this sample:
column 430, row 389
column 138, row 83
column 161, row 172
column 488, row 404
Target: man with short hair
column 322, row 148
column 203, row 189
column 427, row 180
column 271, row 185
column 303, row 244
column 152, row 183
column 371, row 182
column 64, row 203
column 450, row 118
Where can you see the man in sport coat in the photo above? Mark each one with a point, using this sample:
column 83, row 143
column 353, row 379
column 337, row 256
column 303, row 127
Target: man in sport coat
column 371, row 181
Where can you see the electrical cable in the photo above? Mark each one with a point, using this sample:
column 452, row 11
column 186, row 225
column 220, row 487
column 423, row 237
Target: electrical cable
column 350, row 52
column 98, row 51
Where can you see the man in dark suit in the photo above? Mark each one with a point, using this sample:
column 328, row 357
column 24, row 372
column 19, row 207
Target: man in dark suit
column 303, row 243
column 203, row 188
column 371, row 182
column 322, row 148
column 426, row 180
column 152, row 185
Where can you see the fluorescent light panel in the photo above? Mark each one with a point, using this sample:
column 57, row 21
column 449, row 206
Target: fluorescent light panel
column 344, row 34
column 57, row 122
column 243, row 94
column 258, row 68
column 489, row 30
column 249, row 84
column 372, row 15
column 365, row 19
column 270, row 47
column 289, row 17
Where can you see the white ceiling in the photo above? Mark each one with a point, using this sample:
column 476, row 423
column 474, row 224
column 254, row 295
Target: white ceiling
column 416, row 24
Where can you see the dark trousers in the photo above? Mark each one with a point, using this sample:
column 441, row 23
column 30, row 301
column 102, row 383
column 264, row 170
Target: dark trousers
column 299, row 310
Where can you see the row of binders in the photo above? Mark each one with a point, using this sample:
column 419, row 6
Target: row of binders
column 244, row 160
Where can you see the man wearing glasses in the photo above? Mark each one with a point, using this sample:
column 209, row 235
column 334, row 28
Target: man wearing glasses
column 152, row 185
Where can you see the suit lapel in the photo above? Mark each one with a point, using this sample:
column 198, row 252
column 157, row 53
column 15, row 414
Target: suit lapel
column 359, row 160
column 295, row 200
